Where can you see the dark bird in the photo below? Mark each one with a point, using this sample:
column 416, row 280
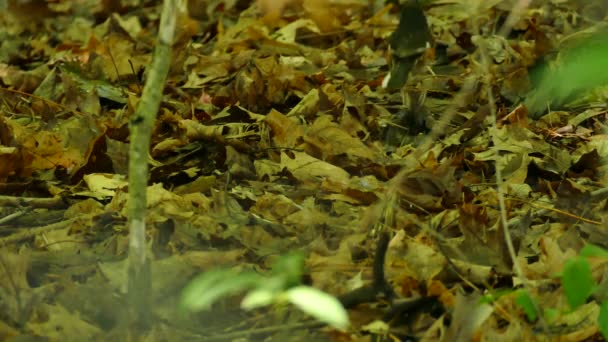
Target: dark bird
column 407, row 43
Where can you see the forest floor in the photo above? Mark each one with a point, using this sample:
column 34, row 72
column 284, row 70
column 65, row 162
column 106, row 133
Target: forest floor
column 477, row 193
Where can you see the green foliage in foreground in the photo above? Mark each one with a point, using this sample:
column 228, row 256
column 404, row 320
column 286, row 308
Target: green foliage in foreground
column 281, row 286
column 578, row 286
column 578, row 68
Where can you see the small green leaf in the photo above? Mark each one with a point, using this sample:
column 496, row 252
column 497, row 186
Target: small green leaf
column 525, row 302
column 290, row 268
column 577, row 281
column 602, row 320
column 320, row 305
column 258, row 298
column 594, row 251
column 209, row 287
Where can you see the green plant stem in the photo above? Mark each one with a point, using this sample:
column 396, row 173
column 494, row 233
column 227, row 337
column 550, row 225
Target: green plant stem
column 141, row 126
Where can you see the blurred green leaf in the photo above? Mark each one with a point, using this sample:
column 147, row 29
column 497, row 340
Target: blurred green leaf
column 577, row 281
column 594, row 251
column 207, row 288
column 578, row 68
column 290, row 268
column 320, row 305
column 258, row 298
column 525, row 302
column 602, row 320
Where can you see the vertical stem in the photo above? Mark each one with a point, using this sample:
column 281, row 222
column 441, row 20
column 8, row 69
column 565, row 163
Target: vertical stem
column 141, row 125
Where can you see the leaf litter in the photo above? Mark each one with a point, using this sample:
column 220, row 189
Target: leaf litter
column 275, row 135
